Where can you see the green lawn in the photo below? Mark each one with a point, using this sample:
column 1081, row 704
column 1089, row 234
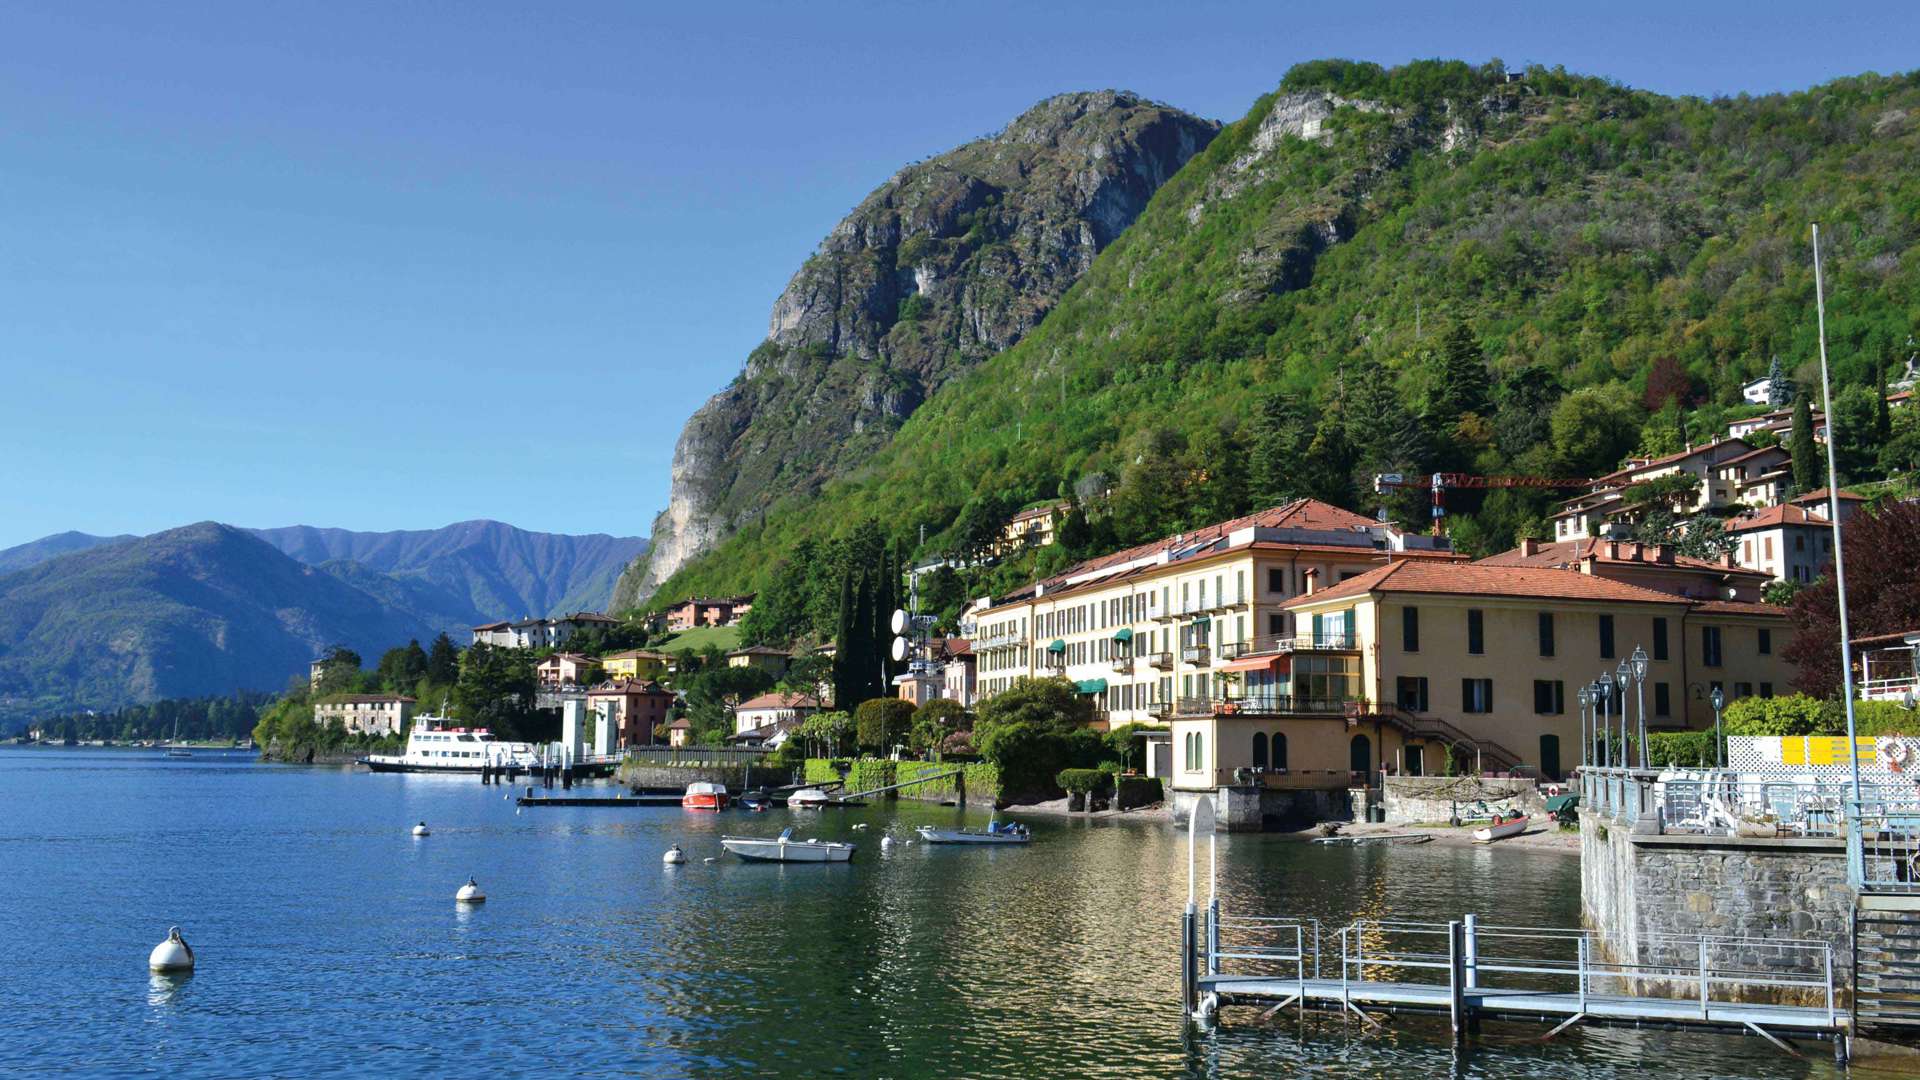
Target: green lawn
column 700, row 637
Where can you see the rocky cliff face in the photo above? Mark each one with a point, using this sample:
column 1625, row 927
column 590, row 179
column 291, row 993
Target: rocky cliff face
column 947, row 263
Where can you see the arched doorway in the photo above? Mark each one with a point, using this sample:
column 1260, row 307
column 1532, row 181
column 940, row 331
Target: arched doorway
column 1279, row 750
column 1259, row 749
column 1360, row 755
column 1550, row 756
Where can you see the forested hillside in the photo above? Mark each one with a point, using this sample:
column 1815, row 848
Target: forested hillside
column 1426, row 267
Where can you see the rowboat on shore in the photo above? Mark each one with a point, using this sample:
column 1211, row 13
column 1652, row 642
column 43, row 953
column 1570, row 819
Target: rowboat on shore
column 784, row 848
column 1010, row 833
column 1357, row 839
column 1501, row 829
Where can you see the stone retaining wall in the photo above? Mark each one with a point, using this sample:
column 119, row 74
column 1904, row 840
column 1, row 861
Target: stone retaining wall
column 1411, row 800
column 1635, row 886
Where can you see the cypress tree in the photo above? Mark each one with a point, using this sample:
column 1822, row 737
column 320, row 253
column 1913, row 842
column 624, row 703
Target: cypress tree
column 1279, row 445
column 1806, row 476
column 843, row 646
column 1463, row 376
column 1882, row 422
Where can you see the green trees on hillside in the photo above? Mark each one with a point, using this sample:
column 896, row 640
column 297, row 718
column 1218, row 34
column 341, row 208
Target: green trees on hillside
column 1614, row 258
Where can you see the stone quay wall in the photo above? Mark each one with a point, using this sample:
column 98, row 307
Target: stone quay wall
column 1415, row 800
column 1637, row 886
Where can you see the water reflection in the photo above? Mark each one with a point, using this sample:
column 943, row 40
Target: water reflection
column 163, row 989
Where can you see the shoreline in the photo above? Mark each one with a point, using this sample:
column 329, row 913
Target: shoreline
column 1540, row 835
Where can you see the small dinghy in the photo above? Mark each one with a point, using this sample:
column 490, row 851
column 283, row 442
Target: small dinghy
column 1364, row 839
column 1501, row 829
column 808, row 798
column 784, row 848
column 995, row 833
column 756, row 801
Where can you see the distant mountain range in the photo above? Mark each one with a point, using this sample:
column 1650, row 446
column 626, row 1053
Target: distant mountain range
column 97, row 622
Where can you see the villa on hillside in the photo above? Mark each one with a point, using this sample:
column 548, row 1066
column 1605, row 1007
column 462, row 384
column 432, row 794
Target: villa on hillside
column 366, row 714
column 564, row 669
column 706, row 611
column 533, row 633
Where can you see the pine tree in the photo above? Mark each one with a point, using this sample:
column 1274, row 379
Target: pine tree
column 1279, row 446
column 1463, row 377
column 1806, row 474
column 443, row 661
column 1779, row 387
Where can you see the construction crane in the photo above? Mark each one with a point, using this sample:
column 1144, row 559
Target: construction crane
column 1439, row 482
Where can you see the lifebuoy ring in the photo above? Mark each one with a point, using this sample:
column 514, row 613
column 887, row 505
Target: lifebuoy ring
column 1894, row 752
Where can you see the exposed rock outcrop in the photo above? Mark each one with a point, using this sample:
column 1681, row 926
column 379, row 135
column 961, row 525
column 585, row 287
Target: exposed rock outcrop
column 949, row 262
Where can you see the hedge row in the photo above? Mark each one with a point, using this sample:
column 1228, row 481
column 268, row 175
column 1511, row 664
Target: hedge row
column 983, row 780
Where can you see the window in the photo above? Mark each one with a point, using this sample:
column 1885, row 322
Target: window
column 1276, row 623
column 1710, row 646
column 1546, row 633
column 1662, row 700
column 1659, row 639
column 1742, row 689
column 1549, row 697
column 1413, row 693
column 1280, row 751
column 1277, row 579
column 1259, row 749
column 1766, row 642
column 1476, row 633
column 1476, row 695
column 1606, row 637
column 1410, row 629
column 1766, row 689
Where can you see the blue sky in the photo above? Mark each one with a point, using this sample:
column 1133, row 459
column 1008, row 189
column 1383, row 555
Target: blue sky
column 396, row 265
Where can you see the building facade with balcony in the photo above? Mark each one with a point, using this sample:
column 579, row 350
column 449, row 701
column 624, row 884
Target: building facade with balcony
column 1415, row 660
column 1142, row 628
column 366, row 714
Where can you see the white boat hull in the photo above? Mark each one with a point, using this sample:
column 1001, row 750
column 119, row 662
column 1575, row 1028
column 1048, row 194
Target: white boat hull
column 764, row 850
column 962, row 836
column 1500, row 831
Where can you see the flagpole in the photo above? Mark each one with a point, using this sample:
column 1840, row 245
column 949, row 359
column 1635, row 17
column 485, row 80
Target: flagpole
column 1833, row 513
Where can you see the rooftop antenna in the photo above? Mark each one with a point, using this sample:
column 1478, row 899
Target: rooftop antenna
column 1833, row 512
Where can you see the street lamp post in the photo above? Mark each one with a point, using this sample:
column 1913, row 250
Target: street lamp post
column 1639, row 663
column 1719, row 742
column 1604, row 686
column 1585, row 697
column 1620, row 676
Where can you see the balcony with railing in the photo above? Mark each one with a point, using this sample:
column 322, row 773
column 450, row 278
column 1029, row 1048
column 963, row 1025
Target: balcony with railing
column 1260, row 705
column 1160, row 710
column 1123, row 665
column 1339, row 641
column 1197, row 655
column 1160, row 660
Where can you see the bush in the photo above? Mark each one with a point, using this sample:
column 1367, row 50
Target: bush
column 1082, row 781
column 1126, row 747
column 1045, row 704
column 1682, row 749
column 882, row 723
column 935, row 721
column 1794, row 715
column 1027, row 759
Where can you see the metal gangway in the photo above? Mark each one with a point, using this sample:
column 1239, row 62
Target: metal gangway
column 1469, row 969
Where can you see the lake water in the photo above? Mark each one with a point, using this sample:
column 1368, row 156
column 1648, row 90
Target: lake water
column 329, row 943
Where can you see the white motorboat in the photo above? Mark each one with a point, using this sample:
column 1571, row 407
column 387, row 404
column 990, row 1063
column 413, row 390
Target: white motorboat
column 785, row 848
column 435, row 745
column 808, row 798
column 1501, row 829
column 994, row 833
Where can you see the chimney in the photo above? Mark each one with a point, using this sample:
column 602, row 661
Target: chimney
column 1727, row 560
column 1529, row 546
column 1312, row 580
column 1639, row 551
column 1613, row 549
column 1662, row 553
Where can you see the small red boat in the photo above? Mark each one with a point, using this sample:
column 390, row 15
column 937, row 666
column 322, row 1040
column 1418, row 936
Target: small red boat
column 705, row 796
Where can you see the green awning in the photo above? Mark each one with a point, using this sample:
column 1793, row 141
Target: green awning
column 1057, row 646
column 1125, row 633
column 1091, row 686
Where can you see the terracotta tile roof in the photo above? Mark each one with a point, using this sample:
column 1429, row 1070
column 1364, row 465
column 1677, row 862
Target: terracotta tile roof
column 1476, row 579
column 491, row 626
column 622, row 687
column 1819, row 495
column 1655, row 463
column 1038, row 511
column 1898, row 637
column 1773, row 517
column 1739, row 607
column 1750, row 455
column 680, row 725
column 1567, row 554
column 778, row 700
column 365, row 699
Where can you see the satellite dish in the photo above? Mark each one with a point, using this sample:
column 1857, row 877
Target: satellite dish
column 899, row 623
column 899, row 649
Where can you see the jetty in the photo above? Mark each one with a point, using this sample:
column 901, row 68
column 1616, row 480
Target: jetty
column 1469, row 970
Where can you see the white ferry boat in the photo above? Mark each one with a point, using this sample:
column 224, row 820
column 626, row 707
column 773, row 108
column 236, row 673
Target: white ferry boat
column 435, row 745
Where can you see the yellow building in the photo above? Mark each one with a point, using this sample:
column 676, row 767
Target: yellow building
column 637, row 664
column 1142, row 628
column 1032, row 527
column 1395, row 668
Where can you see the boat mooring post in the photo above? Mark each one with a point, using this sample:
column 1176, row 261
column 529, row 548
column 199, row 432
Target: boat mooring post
column 1199, row 823
column 1457, row 979
column 1470, row 927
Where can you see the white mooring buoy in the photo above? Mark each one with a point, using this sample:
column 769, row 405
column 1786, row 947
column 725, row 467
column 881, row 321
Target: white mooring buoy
column 470, row 893
column 674, row 856
column 171, row 955
column 422, row 830
column 886, row 843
